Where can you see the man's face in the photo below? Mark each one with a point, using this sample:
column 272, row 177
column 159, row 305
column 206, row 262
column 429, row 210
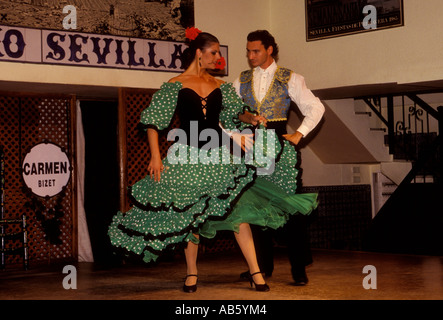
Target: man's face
column 258, row 56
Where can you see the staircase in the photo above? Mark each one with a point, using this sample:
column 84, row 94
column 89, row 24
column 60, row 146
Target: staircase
column 360, row 124
column 402, row 145
column 408, row 190
column 398, row 153
column 369, row 131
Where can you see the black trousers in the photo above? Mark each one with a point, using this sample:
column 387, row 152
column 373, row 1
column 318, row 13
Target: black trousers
column 294, row 234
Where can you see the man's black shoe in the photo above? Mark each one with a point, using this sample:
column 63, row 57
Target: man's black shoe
column 300, row 278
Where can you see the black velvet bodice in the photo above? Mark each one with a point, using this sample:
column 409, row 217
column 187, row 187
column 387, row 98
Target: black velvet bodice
column 190, row 108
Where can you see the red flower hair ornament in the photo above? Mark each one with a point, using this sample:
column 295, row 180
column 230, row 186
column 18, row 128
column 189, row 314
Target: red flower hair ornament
column 192, row 33
column 220, row 64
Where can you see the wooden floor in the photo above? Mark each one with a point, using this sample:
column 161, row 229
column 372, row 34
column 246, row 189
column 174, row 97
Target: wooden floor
column 334, row 275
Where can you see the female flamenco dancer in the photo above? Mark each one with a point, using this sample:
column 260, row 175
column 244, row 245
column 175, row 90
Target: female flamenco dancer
column 183, row 198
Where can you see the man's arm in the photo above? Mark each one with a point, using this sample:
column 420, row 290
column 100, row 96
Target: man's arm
column 310, row 106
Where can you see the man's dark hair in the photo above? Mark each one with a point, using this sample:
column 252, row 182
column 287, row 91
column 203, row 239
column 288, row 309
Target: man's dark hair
column 267, row 39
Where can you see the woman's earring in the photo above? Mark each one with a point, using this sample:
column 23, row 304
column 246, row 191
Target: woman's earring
column 200, row 61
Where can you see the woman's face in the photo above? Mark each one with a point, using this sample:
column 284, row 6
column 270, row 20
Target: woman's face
column 210, row 55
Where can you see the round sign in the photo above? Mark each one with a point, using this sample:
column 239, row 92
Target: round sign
column 46, row 170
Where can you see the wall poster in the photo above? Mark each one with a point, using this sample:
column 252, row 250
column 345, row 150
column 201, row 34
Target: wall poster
column 148, row 19
column 328, row 19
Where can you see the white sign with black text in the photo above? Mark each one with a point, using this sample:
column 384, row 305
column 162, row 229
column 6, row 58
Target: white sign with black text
column 46, row 170
column 71, row 48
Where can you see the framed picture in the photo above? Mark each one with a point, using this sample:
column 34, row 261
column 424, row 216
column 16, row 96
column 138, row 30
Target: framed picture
column 147, row 19
column 133, row 34
column 328, row 19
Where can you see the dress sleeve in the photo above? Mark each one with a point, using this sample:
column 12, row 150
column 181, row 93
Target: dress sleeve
column 233, row 106
column 160, row 111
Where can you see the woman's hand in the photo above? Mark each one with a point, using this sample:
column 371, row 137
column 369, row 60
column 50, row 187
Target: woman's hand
column 257, row 120
column 155, row 168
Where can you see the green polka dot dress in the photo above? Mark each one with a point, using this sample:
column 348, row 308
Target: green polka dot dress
column 203, row 197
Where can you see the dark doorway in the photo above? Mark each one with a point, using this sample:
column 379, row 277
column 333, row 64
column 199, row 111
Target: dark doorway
column 100, row 124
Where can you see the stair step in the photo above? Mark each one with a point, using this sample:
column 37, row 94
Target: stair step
column 423, row 179
column 364, row 113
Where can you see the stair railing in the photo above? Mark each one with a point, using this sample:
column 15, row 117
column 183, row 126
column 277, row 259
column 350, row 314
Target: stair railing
column 410, row 131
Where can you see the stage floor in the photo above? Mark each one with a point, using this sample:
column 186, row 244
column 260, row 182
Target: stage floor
column 334, row 275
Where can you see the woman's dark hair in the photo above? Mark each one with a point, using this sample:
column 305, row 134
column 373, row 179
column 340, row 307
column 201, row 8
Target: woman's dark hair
column 202, row 41
column 267, row 39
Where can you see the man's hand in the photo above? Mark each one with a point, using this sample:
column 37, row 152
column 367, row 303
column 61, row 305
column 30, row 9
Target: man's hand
column 293, row 138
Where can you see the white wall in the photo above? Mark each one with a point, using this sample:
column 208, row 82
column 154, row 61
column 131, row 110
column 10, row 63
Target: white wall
column 316, row 173
column 52, row 74
column 412, row 53
column 231, row 21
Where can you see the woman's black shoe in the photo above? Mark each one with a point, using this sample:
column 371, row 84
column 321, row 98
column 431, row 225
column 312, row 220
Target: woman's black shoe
column 258, row 287
column 190, row 289
column 245, row 275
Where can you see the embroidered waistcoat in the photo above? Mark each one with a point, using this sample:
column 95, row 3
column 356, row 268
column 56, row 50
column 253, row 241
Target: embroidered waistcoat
column 275, row 105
